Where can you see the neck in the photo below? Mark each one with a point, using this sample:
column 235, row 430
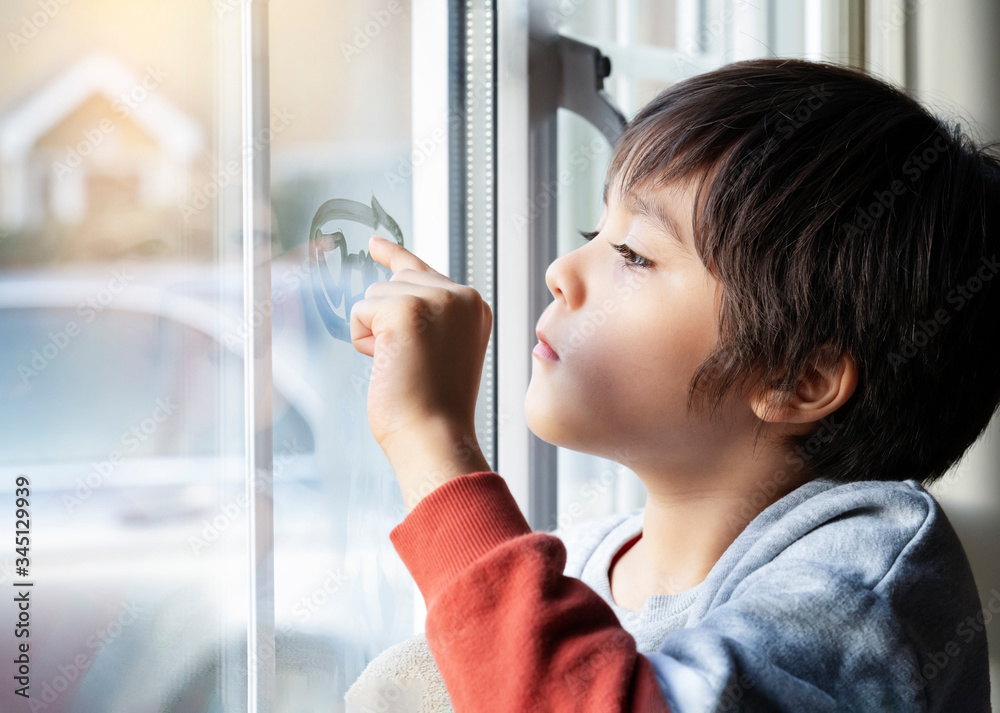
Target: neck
column 689, row 522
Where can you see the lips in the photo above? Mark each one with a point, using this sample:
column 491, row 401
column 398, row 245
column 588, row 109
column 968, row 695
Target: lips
column 543, row 350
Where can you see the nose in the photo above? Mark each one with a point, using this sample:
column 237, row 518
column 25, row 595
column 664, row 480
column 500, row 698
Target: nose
column 565, row 280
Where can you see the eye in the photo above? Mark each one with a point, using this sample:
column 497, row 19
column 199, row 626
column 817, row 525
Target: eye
column 588, row 235
column 632, row 258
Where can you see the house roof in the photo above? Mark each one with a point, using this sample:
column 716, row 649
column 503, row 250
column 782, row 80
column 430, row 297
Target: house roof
column 25, row 124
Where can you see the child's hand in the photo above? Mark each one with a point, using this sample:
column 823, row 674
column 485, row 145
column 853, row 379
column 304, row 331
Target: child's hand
column 428, row 337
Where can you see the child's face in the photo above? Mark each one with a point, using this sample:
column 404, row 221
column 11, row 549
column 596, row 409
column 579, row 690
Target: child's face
column 628, row 339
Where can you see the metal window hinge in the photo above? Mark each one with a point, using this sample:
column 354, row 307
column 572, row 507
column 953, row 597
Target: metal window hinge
column 582, row 70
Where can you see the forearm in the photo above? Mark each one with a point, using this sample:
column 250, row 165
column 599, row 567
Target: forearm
column 426, row 457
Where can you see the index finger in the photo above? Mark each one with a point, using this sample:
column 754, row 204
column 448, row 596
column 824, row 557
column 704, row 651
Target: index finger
column 395, row 257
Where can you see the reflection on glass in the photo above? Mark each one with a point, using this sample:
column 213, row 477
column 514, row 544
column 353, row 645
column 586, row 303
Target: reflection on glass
column 120, row 376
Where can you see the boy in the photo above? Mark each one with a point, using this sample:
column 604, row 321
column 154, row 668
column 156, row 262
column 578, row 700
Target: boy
column 806, row 338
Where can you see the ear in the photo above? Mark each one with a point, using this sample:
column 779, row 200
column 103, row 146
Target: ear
column 823, row 389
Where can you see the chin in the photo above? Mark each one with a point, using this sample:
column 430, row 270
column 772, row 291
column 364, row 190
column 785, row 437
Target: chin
column 550, row 425
column 534, row 420
column 542, row 421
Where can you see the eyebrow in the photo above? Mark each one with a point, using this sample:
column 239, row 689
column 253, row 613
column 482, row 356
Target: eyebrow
column 653, row 212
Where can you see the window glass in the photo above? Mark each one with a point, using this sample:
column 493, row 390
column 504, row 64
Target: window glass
column 341, row 85
column 122, row 364
column 154, row 361
column 121, row 384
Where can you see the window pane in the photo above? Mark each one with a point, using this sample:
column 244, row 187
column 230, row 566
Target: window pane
column 341, row 85
column 121, row 384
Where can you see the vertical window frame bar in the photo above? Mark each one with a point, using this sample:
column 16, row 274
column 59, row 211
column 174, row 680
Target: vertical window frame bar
column 255, row 112
column 476, row 242
column 513, row 313
column 437, row 177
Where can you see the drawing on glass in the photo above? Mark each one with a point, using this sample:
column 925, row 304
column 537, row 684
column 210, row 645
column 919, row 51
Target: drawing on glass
column 332, row 267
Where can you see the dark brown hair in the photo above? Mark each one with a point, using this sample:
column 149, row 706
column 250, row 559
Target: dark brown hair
column 839, row 216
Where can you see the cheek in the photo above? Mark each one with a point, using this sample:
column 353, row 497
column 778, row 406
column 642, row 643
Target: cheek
column 654, row 353
column 625, row 371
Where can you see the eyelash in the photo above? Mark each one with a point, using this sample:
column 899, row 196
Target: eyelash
column 632, row 258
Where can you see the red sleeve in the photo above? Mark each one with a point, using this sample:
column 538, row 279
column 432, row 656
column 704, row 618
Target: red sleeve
column 507, row 630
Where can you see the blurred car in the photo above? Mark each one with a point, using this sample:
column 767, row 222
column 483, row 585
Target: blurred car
column 123, row 402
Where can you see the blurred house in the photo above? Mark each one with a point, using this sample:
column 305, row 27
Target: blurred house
column 99, row 151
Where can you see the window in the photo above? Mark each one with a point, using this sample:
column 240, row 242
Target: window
column 186, row 193
column 210, row 513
